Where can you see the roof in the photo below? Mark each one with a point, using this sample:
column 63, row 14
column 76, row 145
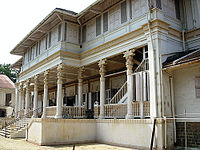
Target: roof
column 67, row 11
column 181, row 58
column 17, row 64
column 5, row 82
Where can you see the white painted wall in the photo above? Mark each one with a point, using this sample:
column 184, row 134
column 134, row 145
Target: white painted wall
column 184, row 90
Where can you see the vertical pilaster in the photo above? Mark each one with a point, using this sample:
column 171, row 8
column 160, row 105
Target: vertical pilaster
column 46, row 74
column 27, row 103
column 35, row 103
column 59, row 91
column 129, row 65
column 102, row 70
column 16, row 99
column 20, row 99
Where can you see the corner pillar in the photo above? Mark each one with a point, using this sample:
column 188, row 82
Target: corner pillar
column 102, row 71
column 45, row 95
column 27, row 102
column 20, row 99
column 80, row 86
column 35, row 104
column 16, row 99
column 59, row 91
column 129, row 65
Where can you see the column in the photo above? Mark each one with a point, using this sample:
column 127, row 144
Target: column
column 80, row 86
column 20, row 99
column 59, row 91
column 35, row 101
column 129, row 65
column 27, row 102
column 16, row 99
column 102, row 70
column 46, row 74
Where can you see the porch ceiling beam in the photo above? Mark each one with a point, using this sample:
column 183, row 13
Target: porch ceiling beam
column 135, row 61
column 116, row 62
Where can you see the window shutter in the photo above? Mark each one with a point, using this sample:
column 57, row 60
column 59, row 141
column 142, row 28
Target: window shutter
column 105, row 22
column 46, row 42
column 177, row 9
column 59, row 32
column 123, row 12
column 84, row 34
column 65, row 32
column 158, row 4
column 197, row 87
column 36, row 54
column 98, row 25
column 49, row 39
column 39, row 47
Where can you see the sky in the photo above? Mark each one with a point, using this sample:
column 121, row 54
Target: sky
column 19, row 17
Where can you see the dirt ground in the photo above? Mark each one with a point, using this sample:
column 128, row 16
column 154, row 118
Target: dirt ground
column 21, row 144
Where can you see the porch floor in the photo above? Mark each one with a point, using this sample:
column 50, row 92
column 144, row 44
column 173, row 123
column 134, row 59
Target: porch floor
column 21, row 144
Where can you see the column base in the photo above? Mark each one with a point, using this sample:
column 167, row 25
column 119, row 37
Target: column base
column 58, row 116
column 129, row 116
column 101, row 116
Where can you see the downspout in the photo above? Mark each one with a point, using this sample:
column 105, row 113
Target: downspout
column 173, row 105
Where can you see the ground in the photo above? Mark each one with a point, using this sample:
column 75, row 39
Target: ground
column 21, row 144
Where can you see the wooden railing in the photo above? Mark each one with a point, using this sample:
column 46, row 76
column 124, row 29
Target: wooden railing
column 73, row 112
column 119, row 95
column 146, row 108
column 51, row 111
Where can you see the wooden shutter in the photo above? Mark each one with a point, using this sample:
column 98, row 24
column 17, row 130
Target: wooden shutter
column 46, row 42
column 105, row 22
column 123, row 12
column 158, row 4
column 98, row 25
column 65, row 32
column 84, row 34
column 197, row 87
column 59, row 32
column 177, row 9
column 49, row 39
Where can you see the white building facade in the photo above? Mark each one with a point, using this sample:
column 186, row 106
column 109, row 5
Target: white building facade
column 104, row 63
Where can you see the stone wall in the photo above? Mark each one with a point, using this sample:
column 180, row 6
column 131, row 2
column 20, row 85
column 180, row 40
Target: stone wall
column 192, row 131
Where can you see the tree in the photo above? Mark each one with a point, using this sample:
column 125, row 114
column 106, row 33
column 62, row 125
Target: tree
column 11, row 73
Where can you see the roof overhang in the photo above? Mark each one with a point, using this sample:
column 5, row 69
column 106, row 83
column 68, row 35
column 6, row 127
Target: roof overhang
column 17, row 64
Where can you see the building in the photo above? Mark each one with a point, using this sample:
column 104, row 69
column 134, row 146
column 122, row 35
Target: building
column 110, row 62
column 7, row 96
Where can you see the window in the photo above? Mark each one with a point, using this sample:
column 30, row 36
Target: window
column 46, row 42
column 39, row 43
column 105, row 22
column 98, row 25
column 8, row 99
column 197, row 87
column 36, row 54
column 49, row 40
column 123, row 12
column 158, row 4
column 65, row 32
column 59, row 32
column 84, row 34
column 177, row 9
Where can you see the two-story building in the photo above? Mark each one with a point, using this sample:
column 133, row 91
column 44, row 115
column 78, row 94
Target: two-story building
column 105, row 63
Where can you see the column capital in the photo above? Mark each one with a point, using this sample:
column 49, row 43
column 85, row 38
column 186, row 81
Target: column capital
column 28, row 85
column 102, row 67
column 36, row 79
column 129, row 60
column 46, row 75
column 21, row 87
column 60, row 73
column 80, row 72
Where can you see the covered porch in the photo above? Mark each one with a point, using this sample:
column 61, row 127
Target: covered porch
column 114, row 87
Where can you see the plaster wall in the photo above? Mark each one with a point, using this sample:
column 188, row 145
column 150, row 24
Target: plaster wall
column 129, row 133
column 3, row 93
column 184, row 90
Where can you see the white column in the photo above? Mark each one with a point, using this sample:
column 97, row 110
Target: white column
column 59, row 91
column 16, row 99
column 27, row 103
column 35, row 101
column 129, row 65
column 46, row 73
column 20, row 99
column 152, row 80
column 102, row 64
column 80, row 86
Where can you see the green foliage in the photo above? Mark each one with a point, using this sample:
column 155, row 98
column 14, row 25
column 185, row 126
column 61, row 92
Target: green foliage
column 11, row 73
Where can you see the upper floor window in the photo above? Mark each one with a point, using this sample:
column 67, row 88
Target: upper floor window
column 59, row 32
column 98, row 25
column 49, row 44
column 46, row 42
column 177, row 9
column 65, row 32
column 84, row 34
column 123, row 12
column 158, row 4
column 105, row 22
column 197, row 87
